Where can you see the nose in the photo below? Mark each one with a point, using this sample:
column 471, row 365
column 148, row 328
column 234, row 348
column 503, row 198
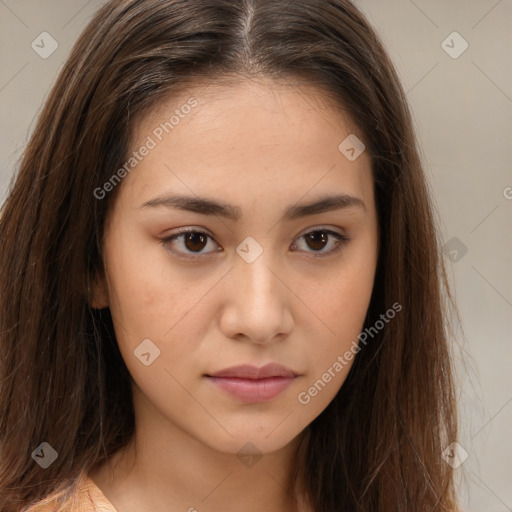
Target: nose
column 258, row 305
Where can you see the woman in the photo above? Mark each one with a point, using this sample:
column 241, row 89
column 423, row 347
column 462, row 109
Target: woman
column 221, row 286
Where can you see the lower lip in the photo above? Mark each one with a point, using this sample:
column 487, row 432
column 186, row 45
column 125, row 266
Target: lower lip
column 252, row 390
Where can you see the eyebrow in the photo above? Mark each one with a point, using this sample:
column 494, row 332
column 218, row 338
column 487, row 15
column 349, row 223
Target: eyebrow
column 207, row 206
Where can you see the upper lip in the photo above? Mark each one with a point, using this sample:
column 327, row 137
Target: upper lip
column 247, row 371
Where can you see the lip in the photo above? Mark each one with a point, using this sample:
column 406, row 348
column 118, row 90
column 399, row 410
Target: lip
column 247, row 371
column 251, row 384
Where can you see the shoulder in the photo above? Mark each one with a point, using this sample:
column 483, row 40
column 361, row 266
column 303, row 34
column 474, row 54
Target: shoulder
column 87, row 497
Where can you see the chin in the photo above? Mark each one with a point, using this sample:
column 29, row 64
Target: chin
column 260, row 439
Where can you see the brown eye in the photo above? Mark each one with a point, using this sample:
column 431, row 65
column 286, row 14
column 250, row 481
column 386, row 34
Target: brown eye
column 317, row 239
column 195, row 241
column 191, row 243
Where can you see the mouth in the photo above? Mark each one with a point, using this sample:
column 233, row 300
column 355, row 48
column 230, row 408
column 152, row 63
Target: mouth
column 251, row 384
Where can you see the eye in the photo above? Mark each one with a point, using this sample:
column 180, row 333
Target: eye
column 319, row 239
column 193, row 241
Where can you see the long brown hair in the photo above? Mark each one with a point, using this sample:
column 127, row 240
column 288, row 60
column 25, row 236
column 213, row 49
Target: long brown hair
column 378, row 445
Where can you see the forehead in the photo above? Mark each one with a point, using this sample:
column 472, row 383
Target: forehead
column 231, row 98
column 249, row 135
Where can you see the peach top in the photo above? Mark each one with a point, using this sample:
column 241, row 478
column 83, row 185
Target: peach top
column 88, row 498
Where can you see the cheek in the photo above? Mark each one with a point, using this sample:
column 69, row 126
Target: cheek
column 342, row 299
column 151, row 300
column 139, row 290
column 341, row 303
column 149, row 307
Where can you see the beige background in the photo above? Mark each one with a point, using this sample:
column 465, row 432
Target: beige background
column 463, row 112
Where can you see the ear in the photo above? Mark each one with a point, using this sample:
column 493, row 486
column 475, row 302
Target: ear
column 98, row 296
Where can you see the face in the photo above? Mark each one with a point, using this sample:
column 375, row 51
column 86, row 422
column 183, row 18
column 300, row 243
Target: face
column 242, row 235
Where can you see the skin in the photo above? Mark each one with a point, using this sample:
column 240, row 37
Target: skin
column 263, row 147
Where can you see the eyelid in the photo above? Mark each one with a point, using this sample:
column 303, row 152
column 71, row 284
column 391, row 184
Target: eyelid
column 320, row 227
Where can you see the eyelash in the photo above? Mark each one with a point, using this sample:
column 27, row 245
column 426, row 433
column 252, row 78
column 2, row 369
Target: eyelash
column 341, row 241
